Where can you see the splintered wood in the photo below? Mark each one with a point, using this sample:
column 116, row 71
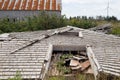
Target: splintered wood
column 64, row 63
column 74, row 63
column 85, row 65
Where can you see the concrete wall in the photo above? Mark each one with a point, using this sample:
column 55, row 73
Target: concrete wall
column 22, row 14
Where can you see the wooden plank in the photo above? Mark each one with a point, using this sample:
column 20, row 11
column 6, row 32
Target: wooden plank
column 74, row 63
column 85, row 65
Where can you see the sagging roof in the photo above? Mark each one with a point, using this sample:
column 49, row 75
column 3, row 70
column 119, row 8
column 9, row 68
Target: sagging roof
column 30, row 5
column 103, row 52
column 28, row 56
column 28, row 62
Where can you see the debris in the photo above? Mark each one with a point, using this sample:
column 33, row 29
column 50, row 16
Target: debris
column 89, row 71
column 74, row 63
column 83, row 53
column 77, row 67
column 78, row 63
column 79, row 58
column 106, row 28
column 85, row 65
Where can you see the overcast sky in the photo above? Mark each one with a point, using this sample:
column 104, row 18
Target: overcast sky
column 90, row 7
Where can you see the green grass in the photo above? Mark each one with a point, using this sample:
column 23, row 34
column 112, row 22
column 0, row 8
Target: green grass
column 74, row 77
column 116, row 28
column 60, row 64
column 57, row 78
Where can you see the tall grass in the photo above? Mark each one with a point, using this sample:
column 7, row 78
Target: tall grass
column 73, row 77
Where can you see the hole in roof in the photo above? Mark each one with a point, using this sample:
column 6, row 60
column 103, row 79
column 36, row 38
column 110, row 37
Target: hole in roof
column 68, row 61
column 70, row 33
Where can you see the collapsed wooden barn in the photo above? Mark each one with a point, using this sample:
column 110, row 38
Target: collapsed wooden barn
column 19, row 9
column 30, row 52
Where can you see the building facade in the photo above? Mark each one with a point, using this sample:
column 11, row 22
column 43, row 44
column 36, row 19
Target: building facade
column 24, row 8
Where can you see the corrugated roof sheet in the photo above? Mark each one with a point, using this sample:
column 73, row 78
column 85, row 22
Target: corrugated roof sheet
column 28, row 61
column 30, row 5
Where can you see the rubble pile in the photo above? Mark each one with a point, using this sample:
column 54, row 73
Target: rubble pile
column 106, row 28
column 78, row 63
column 70, row 63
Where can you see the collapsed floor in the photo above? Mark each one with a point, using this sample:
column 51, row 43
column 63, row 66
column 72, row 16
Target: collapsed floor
column 69, row 64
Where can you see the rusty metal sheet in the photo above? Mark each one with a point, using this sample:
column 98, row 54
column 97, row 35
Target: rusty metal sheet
column 30, row 5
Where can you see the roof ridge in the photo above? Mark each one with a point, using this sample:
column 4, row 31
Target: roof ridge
column 30, row 42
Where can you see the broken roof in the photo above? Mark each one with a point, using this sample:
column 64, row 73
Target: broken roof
column 30, row 5
column 28, row 51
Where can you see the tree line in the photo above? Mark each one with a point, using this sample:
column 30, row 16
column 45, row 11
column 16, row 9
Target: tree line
column 44, row 21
